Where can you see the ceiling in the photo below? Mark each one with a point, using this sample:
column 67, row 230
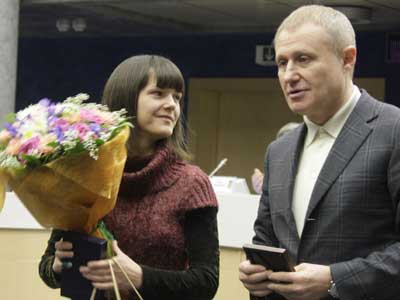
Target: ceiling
column 38, row 18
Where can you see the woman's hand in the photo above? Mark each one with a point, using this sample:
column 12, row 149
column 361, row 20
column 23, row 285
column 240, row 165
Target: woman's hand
column 99, row 273
column 63, row 251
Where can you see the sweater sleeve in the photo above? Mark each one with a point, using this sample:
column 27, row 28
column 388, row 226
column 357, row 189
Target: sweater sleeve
column 200, row 280
column 199, row 190
column 46, row 272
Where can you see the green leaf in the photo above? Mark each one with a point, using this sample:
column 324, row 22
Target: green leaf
column 79, row 148
column 106, row 235
column 10, row 118
column 31, row 160
column 53, row 144
column 99, row 142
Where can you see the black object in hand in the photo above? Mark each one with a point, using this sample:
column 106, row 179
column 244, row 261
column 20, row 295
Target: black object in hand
column 275, row 259
column 85, row 248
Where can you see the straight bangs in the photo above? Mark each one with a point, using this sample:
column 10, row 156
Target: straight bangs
column 167, row 74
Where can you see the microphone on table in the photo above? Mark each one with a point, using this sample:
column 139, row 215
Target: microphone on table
column 220, row 165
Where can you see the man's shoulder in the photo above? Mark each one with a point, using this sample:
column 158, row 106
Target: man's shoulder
column 382, row 118
column 390, row 110
column 378, row 106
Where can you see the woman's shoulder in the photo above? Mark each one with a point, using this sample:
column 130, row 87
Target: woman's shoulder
column 197, row 186
column 193, row 172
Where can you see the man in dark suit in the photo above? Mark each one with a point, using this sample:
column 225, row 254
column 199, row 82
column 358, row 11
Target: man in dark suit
column 332, row 186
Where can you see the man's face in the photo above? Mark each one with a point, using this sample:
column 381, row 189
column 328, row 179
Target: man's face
column 311, row 74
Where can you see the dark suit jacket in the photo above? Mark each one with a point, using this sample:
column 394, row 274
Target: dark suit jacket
column 353, row 219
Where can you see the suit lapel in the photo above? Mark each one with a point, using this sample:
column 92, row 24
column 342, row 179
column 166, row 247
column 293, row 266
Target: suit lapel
column 352, row 136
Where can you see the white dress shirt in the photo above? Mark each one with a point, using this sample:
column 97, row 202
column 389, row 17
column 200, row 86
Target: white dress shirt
column 317, row 144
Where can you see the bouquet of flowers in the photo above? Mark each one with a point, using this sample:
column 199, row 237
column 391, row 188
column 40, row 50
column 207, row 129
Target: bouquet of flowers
column 64, row 161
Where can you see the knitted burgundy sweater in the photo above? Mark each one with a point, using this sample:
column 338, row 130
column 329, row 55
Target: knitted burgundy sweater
column 157, row 197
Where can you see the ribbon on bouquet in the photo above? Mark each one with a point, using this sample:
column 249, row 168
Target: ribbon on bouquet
column 116, row 290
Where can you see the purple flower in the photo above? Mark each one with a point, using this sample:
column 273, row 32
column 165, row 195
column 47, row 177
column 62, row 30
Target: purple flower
column 11, row 129
column 59, row 127
column 59, row 133
column 45, row 102
column 51, row 109
column 96, row 128
column 51, row 119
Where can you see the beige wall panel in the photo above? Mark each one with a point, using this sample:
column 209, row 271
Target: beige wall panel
column 203, row 112
column 28, row 278
column 20, row 253
column 229, row 285
column 374, row 86
column 8, row 279
column 248, row 123
column 250, row 112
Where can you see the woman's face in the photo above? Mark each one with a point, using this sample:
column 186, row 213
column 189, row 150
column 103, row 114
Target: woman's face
column 158, row 111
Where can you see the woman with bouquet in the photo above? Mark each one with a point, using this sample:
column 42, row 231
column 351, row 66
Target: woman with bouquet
column 165, row 216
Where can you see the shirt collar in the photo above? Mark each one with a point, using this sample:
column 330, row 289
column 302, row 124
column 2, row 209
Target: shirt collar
column 335, row 124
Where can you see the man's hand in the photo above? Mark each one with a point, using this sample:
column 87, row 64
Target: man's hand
column 310, row 281
column 254, row 278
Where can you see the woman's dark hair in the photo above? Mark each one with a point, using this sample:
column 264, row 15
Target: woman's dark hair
column 130, row 77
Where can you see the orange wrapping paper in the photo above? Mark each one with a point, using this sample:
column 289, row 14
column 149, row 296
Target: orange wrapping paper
column 73, row 192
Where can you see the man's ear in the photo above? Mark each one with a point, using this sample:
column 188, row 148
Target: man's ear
column 349, row 57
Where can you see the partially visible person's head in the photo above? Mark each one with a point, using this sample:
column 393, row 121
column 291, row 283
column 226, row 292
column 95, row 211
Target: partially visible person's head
column 257, row 177
column 135, row 85
column 315, row 53
column 287, row 128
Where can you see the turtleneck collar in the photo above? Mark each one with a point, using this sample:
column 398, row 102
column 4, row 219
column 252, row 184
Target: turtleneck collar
column 150, row 174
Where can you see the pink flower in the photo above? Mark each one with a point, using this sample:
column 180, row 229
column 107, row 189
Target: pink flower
column 91, row 116
column 30, row 145
column 61, row 123
column 82, row 129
